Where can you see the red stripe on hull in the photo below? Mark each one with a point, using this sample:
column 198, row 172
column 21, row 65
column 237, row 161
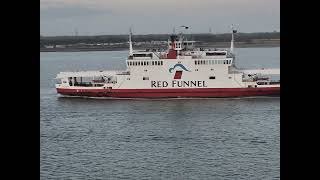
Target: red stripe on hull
column 165, row 93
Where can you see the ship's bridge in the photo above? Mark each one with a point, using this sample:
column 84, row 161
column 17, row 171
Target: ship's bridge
column 181, row 45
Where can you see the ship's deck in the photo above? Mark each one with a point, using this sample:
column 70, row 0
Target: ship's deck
column 91, row 73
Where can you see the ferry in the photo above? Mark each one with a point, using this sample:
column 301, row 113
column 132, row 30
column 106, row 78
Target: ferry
column 182, row 70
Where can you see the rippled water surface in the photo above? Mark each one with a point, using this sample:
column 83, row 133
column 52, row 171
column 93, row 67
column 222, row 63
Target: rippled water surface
column 84, row 138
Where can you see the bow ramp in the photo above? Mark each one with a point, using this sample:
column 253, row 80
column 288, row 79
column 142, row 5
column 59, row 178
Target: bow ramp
column 261, row 71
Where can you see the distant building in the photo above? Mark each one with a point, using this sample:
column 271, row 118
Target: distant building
column 60, row 46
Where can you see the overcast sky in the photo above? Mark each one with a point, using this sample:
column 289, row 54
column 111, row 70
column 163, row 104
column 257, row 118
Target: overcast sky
column 96, row 17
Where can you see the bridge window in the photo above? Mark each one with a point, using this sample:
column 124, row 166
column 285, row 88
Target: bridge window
column 145, row 78
column 212, row 77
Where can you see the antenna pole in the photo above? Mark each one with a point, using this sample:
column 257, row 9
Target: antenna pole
column 232, row 39
column 130, row 43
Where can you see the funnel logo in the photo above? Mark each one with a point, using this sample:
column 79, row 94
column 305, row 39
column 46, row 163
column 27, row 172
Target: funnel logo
column 178, row 73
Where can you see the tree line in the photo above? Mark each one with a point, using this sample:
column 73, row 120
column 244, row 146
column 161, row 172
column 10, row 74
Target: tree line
column 226, row 37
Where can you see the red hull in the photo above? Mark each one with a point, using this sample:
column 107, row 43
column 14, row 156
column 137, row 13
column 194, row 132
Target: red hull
column 172, row 93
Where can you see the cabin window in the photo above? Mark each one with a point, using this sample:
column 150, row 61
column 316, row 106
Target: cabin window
column 161, row 62
column 152, row 63
column 145, row 78
column 196, row 70
column 128, row 78
column 145, row 70
column 212, row 77
column 138, row 63
column 215, row 53
column 195, row 62
column 142, row 55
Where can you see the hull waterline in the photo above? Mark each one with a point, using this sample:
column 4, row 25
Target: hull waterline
column 172, row 93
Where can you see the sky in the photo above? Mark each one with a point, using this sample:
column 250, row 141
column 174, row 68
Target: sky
column 99, row 17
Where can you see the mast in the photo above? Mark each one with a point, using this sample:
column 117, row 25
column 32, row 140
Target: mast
column 232, row 39
column 130, row 43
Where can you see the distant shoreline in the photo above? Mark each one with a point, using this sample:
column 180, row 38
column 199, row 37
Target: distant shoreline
column 203, row 45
